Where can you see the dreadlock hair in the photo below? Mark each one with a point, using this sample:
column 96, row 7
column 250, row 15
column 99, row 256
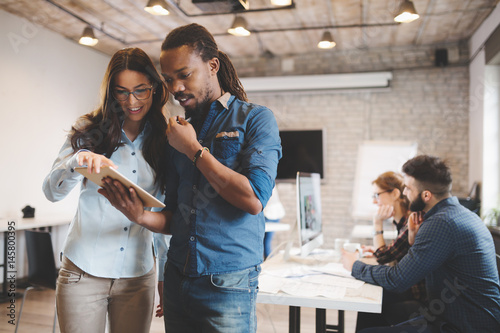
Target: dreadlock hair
column 101, row 129
column 201, row 41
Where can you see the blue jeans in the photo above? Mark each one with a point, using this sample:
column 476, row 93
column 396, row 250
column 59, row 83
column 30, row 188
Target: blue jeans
column 210, row 303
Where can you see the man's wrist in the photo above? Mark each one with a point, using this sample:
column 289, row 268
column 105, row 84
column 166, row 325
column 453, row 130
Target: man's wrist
column 199, row 154
column 378, row 232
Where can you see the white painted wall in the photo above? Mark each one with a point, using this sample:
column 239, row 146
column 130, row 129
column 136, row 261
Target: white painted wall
column 491, row 139
column 46, row 82
column 481, row 111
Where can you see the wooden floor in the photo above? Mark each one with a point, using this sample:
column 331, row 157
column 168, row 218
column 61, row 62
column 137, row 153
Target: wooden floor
column 38, row 314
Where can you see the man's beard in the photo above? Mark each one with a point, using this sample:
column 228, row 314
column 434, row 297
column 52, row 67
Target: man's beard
column 198, row 112
column 418, row 204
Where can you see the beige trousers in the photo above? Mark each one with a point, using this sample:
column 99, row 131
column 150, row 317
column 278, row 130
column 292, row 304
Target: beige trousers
column 83, row 302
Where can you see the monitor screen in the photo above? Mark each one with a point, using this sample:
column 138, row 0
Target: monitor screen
column 309, row 212
column 303, row 150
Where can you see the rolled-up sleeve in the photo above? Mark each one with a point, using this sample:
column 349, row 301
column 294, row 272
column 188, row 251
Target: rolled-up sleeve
column 262, row 153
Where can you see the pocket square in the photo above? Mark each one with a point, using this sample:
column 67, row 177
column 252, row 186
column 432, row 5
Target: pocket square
column 233, row 134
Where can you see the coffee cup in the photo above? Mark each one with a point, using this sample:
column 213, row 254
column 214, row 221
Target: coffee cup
column 353, row 247
column 339, row 244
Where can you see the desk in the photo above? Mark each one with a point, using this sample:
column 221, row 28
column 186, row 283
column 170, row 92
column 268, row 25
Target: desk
column 8, row 226
column 354, row 299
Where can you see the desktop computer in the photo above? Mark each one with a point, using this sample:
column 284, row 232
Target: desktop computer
column 308, row 228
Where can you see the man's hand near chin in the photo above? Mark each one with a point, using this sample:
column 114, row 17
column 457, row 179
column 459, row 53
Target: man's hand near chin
column 414, row 222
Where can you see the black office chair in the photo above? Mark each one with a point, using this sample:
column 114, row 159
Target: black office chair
column 42, row 272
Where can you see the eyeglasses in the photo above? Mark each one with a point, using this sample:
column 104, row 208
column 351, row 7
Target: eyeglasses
column 139, row 94
column 376, row 195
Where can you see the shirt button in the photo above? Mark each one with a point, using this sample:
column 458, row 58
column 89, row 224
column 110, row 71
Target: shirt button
column 192, row 211
column 133, row 153
column 194, row 187
column 191, row 239
column 72, row 170
column 121, row 249
column 200, row 141
column 134, row 171
column 125, row 228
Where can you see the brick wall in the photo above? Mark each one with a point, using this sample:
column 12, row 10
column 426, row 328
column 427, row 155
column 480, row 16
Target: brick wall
column 424, row 103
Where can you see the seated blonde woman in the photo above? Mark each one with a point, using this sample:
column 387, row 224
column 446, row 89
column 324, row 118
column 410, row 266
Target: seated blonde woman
column 392, row 204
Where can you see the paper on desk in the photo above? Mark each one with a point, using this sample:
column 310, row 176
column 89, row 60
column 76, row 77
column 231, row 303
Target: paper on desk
column 292, row 272
column 299, row 287
column 269, row 283
column 369, row 291
column 334, row 268
column 306, row 289
column 334, row 281
column 333, row 274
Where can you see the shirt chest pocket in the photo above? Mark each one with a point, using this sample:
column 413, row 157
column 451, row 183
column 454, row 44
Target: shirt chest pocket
column 227, row 145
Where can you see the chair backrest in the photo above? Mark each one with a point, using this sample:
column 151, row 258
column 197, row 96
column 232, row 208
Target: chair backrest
column 41, row 264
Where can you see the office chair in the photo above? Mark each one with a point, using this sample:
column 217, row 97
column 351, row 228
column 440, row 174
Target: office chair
column 42, row 272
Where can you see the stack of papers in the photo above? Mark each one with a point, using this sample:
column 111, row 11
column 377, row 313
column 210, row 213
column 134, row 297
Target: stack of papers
column 330, row 280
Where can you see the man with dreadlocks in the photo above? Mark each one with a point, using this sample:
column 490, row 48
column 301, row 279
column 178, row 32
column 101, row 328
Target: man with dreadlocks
column 222, row 166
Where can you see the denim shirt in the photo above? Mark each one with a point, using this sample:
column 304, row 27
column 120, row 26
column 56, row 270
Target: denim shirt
column 101, row 240
column 209, row 235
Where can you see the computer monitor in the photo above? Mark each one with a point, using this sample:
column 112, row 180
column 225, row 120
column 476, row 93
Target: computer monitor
column 309, row 212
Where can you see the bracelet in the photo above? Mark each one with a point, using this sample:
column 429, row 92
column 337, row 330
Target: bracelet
column 199, row 154
column 378, row 232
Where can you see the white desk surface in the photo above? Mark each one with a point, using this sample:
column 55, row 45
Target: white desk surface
column 36, row 222
column 354, row 300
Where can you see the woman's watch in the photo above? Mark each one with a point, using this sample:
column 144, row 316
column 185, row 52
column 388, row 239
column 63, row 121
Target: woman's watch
column 378, row 232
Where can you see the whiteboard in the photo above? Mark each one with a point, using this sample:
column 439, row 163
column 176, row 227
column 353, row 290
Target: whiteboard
column 375, row 158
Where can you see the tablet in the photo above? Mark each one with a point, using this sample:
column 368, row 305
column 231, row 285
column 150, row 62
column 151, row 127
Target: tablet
column 96, row 178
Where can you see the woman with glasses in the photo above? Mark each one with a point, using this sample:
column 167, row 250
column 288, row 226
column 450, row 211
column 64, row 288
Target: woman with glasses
column 392, row 204
column 107, row 269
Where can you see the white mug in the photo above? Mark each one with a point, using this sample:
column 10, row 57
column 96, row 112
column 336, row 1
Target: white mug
column 339, row 243
column 353, row 247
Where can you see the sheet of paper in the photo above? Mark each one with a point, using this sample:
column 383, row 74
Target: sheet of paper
column 306, row 289
column 334, row 268
column 269, row 283
column 334, row 281
column 368, row 291
column 300, row 287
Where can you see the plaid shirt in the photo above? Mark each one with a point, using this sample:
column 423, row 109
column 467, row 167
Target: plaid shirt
column 454, row 252
column 396, row 251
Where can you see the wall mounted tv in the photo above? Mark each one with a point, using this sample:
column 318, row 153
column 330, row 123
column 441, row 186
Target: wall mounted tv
column 304, row 151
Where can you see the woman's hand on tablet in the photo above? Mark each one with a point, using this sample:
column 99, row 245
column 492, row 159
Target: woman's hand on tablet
column 94, row 161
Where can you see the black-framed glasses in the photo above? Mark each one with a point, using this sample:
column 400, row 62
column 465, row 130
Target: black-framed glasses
column 376, row 195
column 140, row 94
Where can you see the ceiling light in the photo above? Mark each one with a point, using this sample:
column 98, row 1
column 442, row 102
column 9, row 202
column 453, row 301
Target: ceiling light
column 281, row 2
column 407, row 12
column 157, row 7
column 239, row 27
column 88, row 37
column 326, row 41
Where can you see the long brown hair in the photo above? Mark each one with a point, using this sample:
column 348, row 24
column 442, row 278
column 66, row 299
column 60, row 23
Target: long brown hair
column 202, row 41
column 101, row 131
column 389, row 181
